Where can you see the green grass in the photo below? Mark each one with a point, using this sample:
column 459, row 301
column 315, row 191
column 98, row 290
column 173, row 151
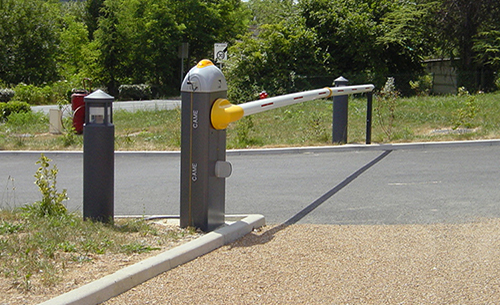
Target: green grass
column 38, row 249
column 415, row 119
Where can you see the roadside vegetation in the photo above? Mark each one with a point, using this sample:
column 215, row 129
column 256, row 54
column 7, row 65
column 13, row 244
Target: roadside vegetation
column 395, row 119
column 39, row 241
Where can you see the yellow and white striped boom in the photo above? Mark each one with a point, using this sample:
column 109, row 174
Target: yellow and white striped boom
column 224, row 113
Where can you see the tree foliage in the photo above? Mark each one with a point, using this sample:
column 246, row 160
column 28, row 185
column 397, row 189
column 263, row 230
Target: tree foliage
column 466, row 30
column 111, row 41
column 28, row 41
column 275, row 45
column 273, row 60
column 138, row 40
column 361, row 40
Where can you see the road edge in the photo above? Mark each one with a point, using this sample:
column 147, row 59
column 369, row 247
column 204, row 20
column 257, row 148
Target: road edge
column 124, row 279
column 291, row 150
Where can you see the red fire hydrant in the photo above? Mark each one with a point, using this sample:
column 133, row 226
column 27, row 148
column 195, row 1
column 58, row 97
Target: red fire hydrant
column 78, row 107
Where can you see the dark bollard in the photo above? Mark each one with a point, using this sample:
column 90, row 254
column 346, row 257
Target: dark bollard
column 340, row 114
column 98, row 158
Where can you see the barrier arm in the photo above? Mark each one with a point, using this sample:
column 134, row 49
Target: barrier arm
column 223, row 112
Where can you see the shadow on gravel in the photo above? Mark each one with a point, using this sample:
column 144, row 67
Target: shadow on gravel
column 268, row 235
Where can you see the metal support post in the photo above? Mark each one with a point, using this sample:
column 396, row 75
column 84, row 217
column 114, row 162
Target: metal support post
column 98, row 158
column 369, row 106
column 340, row 114
column 203, row 150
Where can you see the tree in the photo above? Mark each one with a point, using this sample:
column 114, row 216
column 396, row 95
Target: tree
column 487, row 49
column 460, row 26
column 209, row 21
column 365, row 41
column 154, row 36
column 73, row 44
column 278, row 57
column 93, row 10
column 406, row 39
column 271, row 11
column 28, row 41
column 138, row 40
column 112, row 46
column 362, row 38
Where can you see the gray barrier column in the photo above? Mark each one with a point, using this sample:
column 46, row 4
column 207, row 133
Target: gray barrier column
column 203, row 150
column 98, row 157
column 340, row 114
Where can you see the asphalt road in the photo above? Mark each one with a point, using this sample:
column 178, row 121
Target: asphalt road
column 119, row 105
column 402, row 186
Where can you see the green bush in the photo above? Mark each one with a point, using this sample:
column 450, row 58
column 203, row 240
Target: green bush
column 135, row 92
column 6, row 95
column 423, row 85
column 47, row 95
column 7, row 109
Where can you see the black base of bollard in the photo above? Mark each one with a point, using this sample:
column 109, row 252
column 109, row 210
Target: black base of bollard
column 98, row 173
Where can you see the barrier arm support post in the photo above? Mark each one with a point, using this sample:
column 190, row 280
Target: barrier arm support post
column 203, row 150
column 340, row 113
column 206, row 113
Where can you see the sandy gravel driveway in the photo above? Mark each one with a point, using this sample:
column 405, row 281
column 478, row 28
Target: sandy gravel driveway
column 329, row 264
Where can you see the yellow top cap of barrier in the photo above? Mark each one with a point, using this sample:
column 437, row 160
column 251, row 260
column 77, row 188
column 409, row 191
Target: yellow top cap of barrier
column 204, row 63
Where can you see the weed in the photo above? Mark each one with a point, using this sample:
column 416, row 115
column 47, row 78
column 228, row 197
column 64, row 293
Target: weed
column 244, row 132
column 26, row 122
column 46, row 180
column 134, row 226
column 9, row 228
column 9, row 194
column 67, row 246
column 69, row 136
column 465, row 114
column 386, row 107
column 136, row 247
column 317, row 127
column 31, row 247
column 401, row 119
column 423, row 85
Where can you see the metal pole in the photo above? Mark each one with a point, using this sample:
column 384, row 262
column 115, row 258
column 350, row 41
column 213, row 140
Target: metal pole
column 340, row 114
column 369, row 106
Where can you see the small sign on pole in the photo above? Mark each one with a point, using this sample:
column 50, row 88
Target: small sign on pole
column 183, row 54
column 220, row 52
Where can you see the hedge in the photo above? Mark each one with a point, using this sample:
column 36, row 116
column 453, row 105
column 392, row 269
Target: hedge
column 13, row 107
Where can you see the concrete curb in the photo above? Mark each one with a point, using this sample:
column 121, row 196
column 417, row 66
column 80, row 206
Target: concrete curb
column 292, row 150
column 114, row 284
column 362, row 147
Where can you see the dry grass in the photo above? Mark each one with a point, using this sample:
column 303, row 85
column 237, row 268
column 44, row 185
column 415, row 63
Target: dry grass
column 44, row 257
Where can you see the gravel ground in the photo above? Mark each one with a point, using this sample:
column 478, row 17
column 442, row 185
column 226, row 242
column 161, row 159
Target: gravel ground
column 328, row 264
